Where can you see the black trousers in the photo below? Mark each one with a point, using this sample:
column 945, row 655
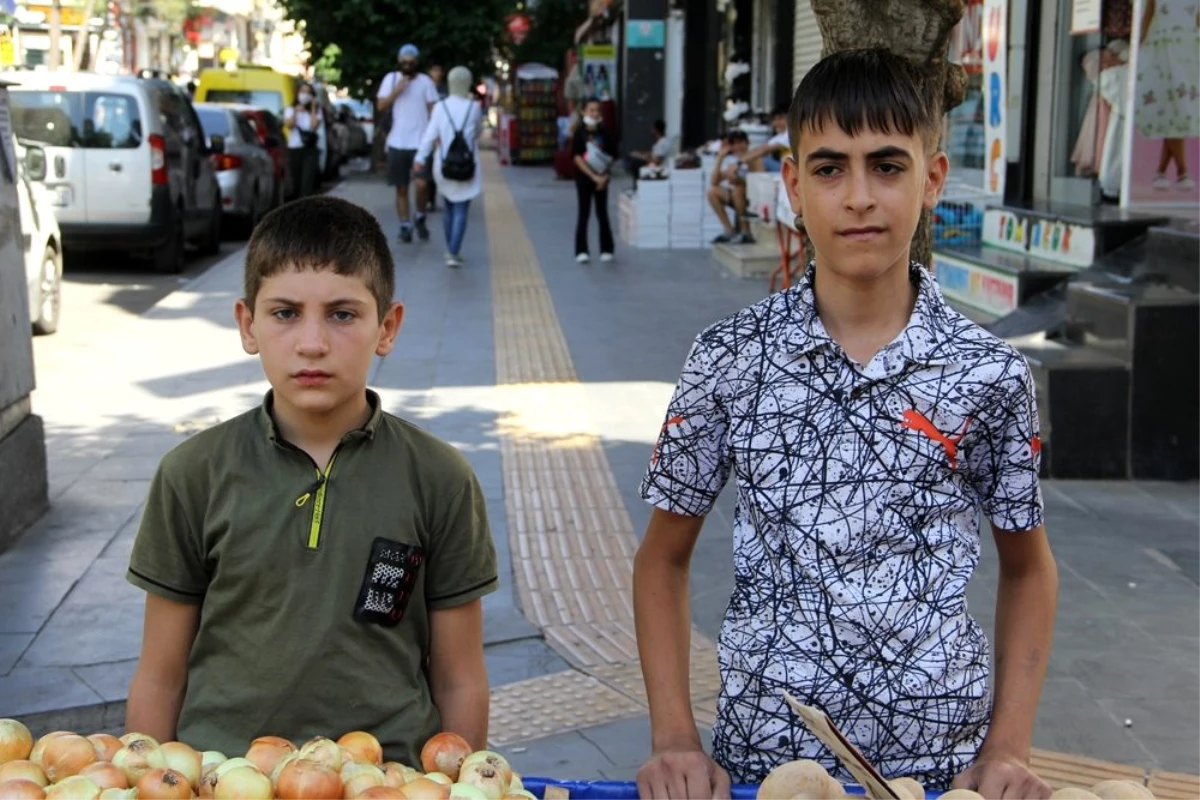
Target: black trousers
column 302, row 163
column 585, row 189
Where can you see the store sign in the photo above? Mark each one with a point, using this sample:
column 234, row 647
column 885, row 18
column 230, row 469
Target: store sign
column 518, row 27
column 7, row 53
column 995, row 79
column 68, row 15
column 647, row 33
column 1063, row 242
column 972, row 285
column 1004, row 229
column 1085, row 16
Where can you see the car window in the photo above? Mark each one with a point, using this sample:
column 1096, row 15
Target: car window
column 55, row 118
column 214, row 121
column 249, row 134
column 272, row 101
column 111, row 121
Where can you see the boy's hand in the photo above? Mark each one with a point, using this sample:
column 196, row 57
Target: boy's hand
column 1002, row 777
column 683, row 774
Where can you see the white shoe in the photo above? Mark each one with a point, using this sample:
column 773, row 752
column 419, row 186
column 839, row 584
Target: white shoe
column 583, row 258
column 606, row 257
column 1185, row 184
column 1160, row 182
column 453, row 261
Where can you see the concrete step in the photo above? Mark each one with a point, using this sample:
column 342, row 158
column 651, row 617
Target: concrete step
column 756, row 260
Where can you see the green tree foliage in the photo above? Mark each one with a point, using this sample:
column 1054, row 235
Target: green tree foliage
column 368, row 34
column 553, row 33
column 172, row 12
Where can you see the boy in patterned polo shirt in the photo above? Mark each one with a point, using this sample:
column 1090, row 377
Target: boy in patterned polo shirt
column 868, row 424
column 315, row 565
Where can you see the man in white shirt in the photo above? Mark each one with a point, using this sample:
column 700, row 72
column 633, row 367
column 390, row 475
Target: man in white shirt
column 411, row 96
column 769, row 156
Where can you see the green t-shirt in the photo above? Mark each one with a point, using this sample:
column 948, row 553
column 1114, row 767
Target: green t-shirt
column 315, row 592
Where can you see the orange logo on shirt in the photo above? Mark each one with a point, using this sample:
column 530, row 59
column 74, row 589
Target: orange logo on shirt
column 916, row 421
column 1035, row 445
column 675, row 420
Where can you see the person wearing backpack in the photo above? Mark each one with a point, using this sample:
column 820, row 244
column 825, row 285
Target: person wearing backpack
column 454, row 131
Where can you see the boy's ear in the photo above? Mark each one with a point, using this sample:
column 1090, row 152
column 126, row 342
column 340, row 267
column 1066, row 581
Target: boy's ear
column 791, row 182
column 245, row 321
column 937, row 170
column 389, row 328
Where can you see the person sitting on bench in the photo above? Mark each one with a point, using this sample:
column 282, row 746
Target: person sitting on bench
column 727, row 189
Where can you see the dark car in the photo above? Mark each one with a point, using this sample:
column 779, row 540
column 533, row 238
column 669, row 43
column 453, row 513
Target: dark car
column 271, row 136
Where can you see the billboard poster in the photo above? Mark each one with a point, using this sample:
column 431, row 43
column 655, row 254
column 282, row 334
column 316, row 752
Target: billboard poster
column 995, row 78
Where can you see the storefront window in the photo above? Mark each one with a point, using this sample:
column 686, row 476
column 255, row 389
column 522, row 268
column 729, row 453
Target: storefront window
column 963, row 131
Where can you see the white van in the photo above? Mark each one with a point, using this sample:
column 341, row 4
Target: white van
column 127, row 164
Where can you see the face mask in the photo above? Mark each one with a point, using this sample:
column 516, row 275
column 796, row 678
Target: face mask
column 591, row 122
column 305, row 97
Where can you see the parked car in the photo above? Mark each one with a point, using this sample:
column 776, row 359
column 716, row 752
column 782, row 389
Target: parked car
column 271, row 136
column 42, row 240
column 128, row 166
column 245, row 170
column 253, row 85
column 359, row 142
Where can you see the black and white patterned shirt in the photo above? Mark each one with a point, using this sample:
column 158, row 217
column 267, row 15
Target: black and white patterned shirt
column 857, row 524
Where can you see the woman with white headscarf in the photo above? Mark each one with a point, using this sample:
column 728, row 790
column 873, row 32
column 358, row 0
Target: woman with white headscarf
column 454, row 129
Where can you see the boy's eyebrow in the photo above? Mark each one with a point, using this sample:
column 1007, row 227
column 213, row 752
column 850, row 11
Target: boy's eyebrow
column 340, row 301
column 888, row 151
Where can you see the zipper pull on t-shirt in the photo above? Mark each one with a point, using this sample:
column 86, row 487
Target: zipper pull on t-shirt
column 302, row 499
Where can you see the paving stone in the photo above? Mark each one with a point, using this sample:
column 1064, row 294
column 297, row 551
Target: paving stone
column 110, row 681
column 139, row 467
column 31, row 589
column 83, row 634
column 520, row 660
column 25, row 691
column 1091, row 730
column 11, row 647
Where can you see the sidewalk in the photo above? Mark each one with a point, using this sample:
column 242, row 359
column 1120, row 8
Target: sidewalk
column 552, row 378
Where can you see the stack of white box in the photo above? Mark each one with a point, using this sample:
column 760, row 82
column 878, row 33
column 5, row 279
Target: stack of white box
column 761, row 192
column 627, row 217
column 653, row 207
column 688, row 203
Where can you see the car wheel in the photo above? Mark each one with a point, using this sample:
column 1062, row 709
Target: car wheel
column 49, row 293
column 212, row 242
column 168, row 258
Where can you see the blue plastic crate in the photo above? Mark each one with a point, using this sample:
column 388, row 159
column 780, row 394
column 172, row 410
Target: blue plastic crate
column 627, row 790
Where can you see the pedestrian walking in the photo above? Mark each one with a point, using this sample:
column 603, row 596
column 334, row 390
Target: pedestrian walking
column 409, row 95
column 453, row 139
column 870, row 426
column 437, row 74
column 591, row 145
column 303, row 119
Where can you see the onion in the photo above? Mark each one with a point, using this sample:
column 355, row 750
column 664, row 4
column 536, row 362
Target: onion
column 208, row 781
column 23, row 771
column 105, row 744
column 465, row 791
column 266, row 751
column 106, row 775
column 211, row 757
column 233, row 763
column 184, row 760
column 396, row 774
column 485, row 777
column 360, row 782
column 65, row 756
column 119, row 794
column 164, row 784
column 426, row 789
column 75, row 787
column 244, row 783
column 133, row 736
column 139, row 757
column 439, row 777
column 323, row 751
column 362, row 746
column 445, row 752
column 499, row 762
column 35, row 755
column 20, row 789
column 16, row 741
column 382, row 793
column 304, row 779
column 281, row 763
column 515, row 784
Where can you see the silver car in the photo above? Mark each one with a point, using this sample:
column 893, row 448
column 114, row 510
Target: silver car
column 245, row 171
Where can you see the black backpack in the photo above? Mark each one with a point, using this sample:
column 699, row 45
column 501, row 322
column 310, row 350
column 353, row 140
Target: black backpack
column 459, row 162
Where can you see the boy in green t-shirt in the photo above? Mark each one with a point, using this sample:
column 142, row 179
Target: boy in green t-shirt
column 314, row 566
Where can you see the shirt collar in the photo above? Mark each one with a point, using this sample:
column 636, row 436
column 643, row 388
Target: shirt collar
column 267, row 419
column 924, row 340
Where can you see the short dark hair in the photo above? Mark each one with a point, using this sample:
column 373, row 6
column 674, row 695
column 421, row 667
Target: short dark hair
column 321, row 233
column 659, row 126
column 736, row 135
column 781, row 110
column 874, row 88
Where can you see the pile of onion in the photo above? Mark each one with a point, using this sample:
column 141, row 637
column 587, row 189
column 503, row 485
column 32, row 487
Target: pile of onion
column 16, row 742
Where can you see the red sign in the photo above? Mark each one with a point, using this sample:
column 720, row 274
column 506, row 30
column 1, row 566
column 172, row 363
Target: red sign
column 518, row 27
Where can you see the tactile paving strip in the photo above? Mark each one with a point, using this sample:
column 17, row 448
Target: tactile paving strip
column 1174, row 785
column 704, row 676
column 1061, row 770
column 552, row 704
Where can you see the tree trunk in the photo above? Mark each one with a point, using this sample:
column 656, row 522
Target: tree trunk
column 920, row 31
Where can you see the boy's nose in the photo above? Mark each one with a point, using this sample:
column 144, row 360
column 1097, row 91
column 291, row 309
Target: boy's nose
column 313, row 339
column 859, row 195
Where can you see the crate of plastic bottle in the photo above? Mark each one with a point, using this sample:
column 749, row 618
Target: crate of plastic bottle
column 627, row 790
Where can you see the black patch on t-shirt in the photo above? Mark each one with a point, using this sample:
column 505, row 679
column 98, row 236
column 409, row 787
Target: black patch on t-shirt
column 388, row 582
